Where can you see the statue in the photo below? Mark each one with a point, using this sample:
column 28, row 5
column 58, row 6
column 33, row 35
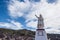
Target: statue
column 40, row 21
column 40, row 32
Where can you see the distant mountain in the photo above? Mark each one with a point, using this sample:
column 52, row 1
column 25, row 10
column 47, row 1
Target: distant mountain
column 22, row 32
column 25, row 34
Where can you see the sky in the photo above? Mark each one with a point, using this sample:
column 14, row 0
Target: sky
column 20, row 14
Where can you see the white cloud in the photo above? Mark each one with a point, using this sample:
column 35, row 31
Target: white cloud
column 17, row 9
column 50, row 12
column 55, row 31
column 12, row 25
column 32, row 24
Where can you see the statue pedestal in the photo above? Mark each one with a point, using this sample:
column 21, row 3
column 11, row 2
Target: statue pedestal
column 41, row 35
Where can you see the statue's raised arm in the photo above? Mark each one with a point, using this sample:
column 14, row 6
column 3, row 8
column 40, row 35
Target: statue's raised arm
column 36, row 16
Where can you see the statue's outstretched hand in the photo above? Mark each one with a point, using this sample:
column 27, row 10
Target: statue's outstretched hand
column 36, row 16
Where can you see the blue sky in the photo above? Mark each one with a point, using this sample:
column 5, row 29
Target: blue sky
column 20, row 14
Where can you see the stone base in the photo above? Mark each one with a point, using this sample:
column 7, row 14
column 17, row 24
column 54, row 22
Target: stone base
column 41, row 35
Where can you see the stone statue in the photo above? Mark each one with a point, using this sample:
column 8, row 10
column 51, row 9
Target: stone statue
column 40, row 21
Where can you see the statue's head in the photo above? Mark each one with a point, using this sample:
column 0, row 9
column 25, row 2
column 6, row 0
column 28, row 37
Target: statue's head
column 40, row 15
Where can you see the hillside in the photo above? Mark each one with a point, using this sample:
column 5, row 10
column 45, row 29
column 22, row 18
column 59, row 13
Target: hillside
column 24, row 34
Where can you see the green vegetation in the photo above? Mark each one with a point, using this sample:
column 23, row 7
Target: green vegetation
column 22, row 32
